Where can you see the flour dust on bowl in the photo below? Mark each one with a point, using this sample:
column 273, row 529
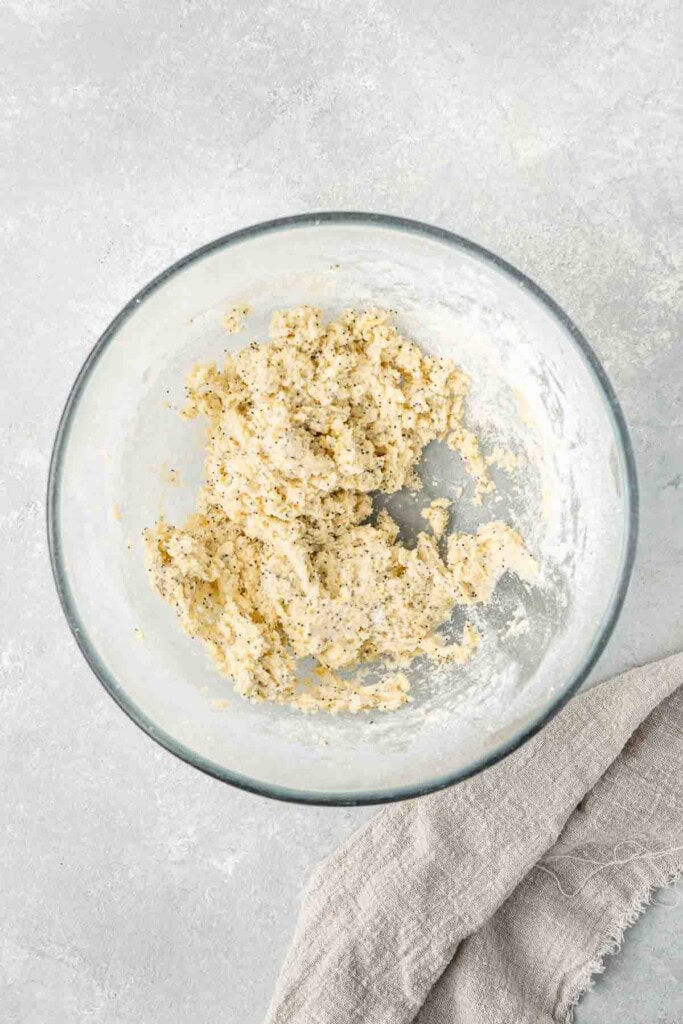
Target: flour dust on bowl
column 549, row 428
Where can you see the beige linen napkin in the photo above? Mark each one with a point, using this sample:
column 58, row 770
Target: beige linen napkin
column 494, row 901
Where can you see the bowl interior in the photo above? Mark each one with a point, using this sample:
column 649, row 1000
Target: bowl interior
column 534, row 392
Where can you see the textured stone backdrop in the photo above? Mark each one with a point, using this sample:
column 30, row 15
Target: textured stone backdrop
column 133, row 890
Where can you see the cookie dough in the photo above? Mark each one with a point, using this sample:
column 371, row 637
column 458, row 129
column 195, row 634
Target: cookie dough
column 436, row 514
column 281, row 560
column 233, row 321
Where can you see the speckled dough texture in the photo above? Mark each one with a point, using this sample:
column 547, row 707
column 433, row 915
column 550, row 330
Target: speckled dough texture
column 280, row 561
column 133, row 887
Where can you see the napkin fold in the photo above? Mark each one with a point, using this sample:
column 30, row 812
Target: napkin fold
column 496, row 900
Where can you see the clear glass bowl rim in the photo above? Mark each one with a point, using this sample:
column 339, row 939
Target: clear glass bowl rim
column 78, row 627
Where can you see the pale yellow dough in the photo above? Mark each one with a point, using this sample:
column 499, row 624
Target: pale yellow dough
column 280, row 561
column 436, row 514
column 233, row 321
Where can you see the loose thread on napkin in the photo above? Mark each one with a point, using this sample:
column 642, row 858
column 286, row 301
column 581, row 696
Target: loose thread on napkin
column 642, row 854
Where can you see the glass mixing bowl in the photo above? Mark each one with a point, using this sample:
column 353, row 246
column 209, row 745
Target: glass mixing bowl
column 537, row 391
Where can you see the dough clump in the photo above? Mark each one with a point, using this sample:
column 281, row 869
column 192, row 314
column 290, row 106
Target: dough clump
column 280, row 561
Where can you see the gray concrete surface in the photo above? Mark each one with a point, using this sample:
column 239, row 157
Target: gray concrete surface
column 133, row 890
